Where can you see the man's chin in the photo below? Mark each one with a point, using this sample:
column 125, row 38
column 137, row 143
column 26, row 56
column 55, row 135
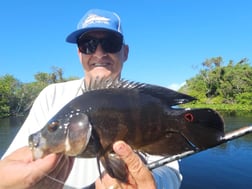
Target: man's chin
column 99, row 73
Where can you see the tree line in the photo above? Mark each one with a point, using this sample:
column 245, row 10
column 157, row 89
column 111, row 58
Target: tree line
column 16, row 97
column 218, row 84
column 222, row 85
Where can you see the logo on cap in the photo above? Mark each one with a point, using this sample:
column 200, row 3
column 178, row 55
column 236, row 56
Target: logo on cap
column 95, row 19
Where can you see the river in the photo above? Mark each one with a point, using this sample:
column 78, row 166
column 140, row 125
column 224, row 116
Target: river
column 226, row 166
column 8, row 130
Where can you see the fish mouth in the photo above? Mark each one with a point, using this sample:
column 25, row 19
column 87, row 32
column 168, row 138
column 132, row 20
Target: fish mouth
column 36, row 141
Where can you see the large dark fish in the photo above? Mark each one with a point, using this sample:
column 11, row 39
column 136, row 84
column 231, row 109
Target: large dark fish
column 145, row 116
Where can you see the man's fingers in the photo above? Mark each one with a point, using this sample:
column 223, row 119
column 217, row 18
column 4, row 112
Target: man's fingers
column 54, row 172
column 46, row 164
column 105, row 182
column 139, row 175
column 23, row 154
column 135, row 165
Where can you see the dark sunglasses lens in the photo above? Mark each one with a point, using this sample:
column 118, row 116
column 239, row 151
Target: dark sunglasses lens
column 112, row 44
column 88, row 46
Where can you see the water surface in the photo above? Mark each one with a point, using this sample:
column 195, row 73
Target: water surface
column 8, row 129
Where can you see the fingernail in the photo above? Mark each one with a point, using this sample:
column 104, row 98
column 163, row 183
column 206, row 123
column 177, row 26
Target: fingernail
column 119, row 147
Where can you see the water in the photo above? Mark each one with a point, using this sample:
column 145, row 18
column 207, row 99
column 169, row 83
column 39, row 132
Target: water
column 226, row 166
column 8, row 129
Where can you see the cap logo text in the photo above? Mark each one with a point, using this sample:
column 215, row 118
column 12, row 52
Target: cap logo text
column 93, row 18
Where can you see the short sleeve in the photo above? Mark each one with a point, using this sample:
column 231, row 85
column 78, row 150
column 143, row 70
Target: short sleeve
column 166, row 178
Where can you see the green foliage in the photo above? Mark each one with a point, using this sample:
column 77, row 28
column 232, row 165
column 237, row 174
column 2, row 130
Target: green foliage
column 8, row 94
column 244, row 98
column 223, row 86
column 17, row 97
column 49, row 78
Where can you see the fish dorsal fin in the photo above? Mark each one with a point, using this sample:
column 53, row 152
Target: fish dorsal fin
column 110, row 83
column 166, row 95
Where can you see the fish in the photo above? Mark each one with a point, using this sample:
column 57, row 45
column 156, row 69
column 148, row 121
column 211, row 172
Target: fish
column 147, row 117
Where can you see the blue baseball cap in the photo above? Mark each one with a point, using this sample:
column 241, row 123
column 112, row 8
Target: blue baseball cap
column 96, row 20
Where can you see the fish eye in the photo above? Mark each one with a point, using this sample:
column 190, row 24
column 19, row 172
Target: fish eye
column 53, row 126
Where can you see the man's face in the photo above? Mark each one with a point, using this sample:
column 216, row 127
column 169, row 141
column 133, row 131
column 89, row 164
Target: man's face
column 101, row 63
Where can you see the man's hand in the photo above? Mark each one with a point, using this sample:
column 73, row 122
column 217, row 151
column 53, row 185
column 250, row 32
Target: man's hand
column 139, row 176
column 20, row 171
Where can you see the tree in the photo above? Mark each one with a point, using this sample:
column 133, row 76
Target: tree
column 8, row 94
column 17, row 97
column 229, row 84
column 49, row 78
column 213, row 62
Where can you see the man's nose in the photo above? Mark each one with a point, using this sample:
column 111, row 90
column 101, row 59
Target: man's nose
column 99, row 52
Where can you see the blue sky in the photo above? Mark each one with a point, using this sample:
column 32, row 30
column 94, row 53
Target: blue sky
column 168, row 39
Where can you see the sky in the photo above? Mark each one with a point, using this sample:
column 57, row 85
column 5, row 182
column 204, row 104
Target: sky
column 168, row 39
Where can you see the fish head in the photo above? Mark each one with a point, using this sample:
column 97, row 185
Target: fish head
column 68, row 134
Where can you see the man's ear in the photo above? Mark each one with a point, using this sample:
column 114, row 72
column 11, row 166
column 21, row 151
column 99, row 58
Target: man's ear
column 125, row 52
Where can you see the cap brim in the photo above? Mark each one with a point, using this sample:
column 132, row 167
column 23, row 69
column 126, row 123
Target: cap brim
column 73, row 37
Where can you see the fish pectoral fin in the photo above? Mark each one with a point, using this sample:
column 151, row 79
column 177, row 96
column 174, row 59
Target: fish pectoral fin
column 115, row 167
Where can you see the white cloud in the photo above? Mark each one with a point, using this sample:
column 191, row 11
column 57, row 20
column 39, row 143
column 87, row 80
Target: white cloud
column 176, row 86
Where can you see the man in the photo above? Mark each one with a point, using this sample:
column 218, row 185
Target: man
column 102, row 52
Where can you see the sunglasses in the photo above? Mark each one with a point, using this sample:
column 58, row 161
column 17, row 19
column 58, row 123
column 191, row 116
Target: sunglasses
column 110, row 44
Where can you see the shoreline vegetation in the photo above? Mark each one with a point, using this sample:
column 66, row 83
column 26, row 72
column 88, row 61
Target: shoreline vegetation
column 224, row 87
